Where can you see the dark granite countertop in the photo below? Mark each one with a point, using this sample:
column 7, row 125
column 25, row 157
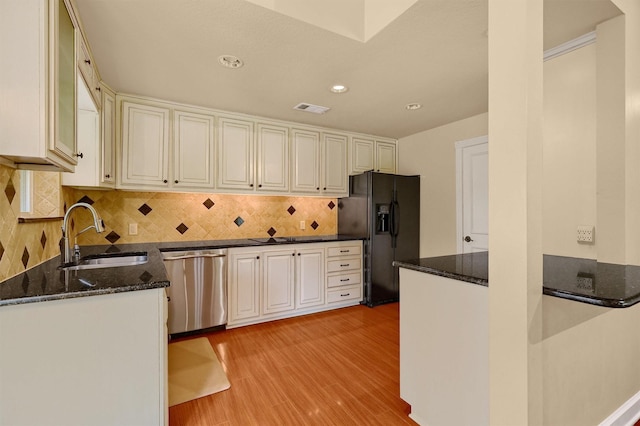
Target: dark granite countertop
column 46, row 282
column 582, row 280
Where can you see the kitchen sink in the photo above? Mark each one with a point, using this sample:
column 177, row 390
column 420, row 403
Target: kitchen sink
column 108, row 260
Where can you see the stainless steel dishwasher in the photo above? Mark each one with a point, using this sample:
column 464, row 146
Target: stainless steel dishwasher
column 198, row 290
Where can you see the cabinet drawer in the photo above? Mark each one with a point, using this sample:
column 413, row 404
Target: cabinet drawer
column 353, row 292
column 343, row 251
column 344, row 265
column 343, row 279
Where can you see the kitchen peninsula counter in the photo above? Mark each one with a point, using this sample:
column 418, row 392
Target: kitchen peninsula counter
column 588, row 348
column 581, row 280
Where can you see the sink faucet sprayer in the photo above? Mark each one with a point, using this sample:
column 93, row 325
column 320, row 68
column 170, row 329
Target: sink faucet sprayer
column 65, row 249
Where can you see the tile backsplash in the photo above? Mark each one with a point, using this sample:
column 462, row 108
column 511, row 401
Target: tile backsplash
column 25, row 245
column 158, row 216
column 163, row 216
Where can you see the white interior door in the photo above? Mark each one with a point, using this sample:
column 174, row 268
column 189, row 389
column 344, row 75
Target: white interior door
column 473, row 194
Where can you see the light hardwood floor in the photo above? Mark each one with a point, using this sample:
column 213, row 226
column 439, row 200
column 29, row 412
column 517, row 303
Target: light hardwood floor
column 333, row 368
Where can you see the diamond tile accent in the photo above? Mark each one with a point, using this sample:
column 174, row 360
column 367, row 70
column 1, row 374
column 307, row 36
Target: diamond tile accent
column 73, row 224
column 315, row 225
column 208, row 203
column 291, row 210
column 25, row 257
column 331, row 205
column 43, row 239
column 271, row 232
column 144, row 209
column 1, row 251
column 86, row 199
column 10, row 191
column 112, row 237
column 182, row 228
column 146, row 276
column 239, row 221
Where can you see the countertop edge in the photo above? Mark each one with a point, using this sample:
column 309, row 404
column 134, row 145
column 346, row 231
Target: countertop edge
column 438, row 272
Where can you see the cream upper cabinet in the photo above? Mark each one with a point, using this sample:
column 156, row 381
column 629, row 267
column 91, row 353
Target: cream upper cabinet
column 39, row 38
column 145, row 146
column 88, row 69
column 95, row 166
column 108, row 140
column 235, row 154
column 193, row 150
column 369, row 154
column 278, row 281
column 386, row 157
column 273, row 157
column 305, row 147
column 362, row 155
column 309, row 277
column 335, row 179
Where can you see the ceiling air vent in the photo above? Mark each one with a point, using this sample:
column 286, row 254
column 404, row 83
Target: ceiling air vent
column 316, row 109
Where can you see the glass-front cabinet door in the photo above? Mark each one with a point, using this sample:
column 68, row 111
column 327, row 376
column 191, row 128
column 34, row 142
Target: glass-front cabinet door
column 63, row 81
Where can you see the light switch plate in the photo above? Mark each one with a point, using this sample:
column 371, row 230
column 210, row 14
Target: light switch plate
column 302, row 224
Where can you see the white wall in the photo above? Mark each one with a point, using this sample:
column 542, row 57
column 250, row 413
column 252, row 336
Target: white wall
column 432, row 155
column 569, row 152
column 569, row 162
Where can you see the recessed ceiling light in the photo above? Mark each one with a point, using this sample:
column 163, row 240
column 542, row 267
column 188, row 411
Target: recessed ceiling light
column 230, row 61
column 413, row 106
column 339, row 88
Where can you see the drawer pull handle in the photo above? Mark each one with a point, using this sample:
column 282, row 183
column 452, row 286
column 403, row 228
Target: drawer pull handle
column 345, row 264
column 344, row 251
column 346, row 279
column 344, row 294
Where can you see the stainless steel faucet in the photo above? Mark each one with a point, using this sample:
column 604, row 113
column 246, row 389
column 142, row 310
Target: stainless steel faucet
column 65, row 249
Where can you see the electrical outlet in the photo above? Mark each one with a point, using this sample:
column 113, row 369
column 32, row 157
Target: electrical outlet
column 302, row 225
column 585, row 233
column 133, row 229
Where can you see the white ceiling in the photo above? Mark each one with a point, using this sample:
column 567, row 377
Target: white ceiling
column 435, row 54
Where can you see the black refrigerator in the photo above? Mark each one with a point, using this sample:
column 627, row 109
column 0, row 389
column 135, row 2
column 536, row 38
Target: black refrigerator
column 384, row 211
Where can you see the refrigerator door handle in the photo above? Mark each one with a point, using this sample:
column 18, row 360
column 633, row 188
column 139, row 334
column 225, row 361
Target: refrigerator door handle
column 396, row 219
column 392, row 223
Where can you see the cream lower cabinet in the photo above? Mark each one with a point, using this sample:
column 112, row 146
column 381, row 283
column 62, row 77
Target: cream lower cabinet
column 95, row 360
column 275, row 282
column 278, row 281
column 244, row 286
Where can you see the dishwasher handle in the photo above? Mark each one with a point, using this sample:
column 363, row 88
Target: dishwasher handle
column 193, row 256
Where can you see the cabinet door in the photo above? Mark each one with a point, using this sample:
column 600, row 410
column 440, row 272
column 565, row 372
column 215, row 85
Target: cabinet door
column 108, row 171
column 310, row 277
column 235, row 154
column 273, row 158
column 278, row 281
column 63, row 142
column 306, row 161
column 362, row 155
column 244, row 286
column 145, row 145
column 334, row 165
column 193, row 150
column 386, row 157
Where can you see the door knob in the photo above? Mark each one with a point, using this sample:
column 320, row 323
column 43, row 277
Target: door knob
column 468, row 239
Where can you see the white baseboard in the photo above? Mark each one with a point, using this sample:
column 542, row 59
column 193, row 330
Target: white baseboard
column 627, row 415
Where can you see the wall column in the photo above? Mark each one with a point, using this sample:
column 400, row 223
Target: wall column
column 515, row 214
